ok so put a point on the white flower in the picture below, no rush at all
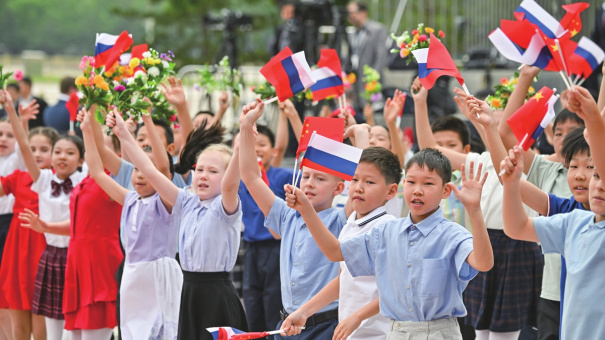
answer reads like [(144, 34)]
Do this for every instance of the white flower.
[(129, 81), (153, 71), (165, 64), (147, 54), (140, 74), (116, 83)]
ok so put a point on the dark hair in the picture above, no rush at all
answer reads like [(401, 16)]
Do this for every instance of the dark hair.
[(573, 144), (385, 161), (170, 163), (46, 131), (4, 119), (115, 143), (564, 116), (451, 123), (434, 160), (167, 130), (196, 142), (13, 85), (68, 83), (74, 139), (204, 112), (26, 80), (361, 6), (263, 130)]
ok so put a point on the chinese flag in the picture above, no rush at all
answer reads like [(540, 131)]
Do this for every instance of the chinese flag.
[(332, 128)]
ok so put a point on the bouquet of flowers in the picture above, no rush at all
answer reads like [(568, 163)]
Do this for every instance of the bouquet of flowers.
[(18, 75), (420, 38), (499, 99), (93, 86), (267, 91), (229, 79), (373, 87)]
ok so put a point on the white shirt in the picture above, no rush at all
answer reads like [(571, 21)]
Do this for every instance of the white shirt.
[(54, 209), (8, 165), (359, 291)]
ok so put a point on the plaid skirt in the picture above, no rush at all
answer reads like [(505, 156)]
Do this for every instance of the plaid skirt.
[(48, 290), (505, 299)]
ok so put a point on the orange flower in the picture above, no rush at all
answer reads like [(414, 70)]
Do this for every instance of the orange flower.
[(371, 86), (81, 81), (429, 30), (496, 102), (351, 78), (441, 34), (103, 86), (97, 80), (404, 53)]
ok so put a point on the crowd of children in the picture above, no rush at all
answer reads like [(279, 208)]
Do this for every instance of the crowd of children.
[(138, 226)]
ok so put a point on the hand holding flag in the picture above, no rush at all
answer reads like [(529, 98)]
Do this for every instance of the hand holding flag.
[(529, 121), (230, 333), (332, 157)]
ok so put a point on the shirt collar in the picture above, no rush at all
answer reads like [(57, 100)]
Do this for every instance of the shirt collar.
[(206, 203), (64, 97), (592, 224), (368, 218), (426, 225)]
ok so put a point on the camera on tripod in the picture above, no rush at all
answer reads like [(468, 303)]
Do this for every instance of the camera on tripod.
[(228, 21), (317, 11)]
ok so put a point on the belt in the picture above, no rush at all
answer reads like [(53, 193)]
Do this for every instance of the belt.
[(316, 318)]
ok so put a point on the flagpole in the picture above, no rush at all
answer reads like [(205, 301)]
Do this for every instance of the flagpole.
[(565, 80), (71, 126), (468, 94), (294, 173), (310, 140), (581, 82), (523, 140), (563, 60), (269, 101)]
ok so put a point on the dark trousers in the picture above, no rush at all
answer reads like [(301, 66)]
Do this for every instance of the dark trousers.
[(262, 290), (320, 331), (549, 315)]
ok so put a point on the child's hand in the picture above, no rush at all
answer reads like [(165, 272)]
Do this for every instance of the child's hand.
[(174, 93), (368, 113), (348, 117), (460, 99), (529, 71), (116, 123), (286, 107), (419, 93), (294, 323), (357, 131), (479, 111), (30, 220), (393, 107), (84, 119), (251, 112), (296, 198), (30, 111), (346, 327), (223, 101), (6, 99), (470, 194), (511, 167), (581, 103)]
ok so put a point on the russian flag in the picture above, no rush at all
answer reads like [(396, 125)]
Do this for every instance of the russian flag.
[(327, 155), (328, 76), (531, 119), (541, 18), (586, 57), (536, 52), (434, 62), (109, 48), (288, 73)]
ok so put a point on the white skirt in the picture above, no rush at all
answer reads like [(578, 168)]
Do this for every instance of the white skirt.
[(150, 296)]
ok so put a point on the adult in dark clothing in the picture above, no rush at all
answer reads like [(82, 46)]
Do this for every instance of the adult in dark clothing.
[(25, 90), (57, 116)]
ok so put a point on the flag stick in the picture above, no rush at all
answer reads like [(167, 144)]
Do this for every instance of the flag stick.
[(564, 63), (344, 99), (300, 172), (294, 173), (575, 80), (581, 82), (71, 126), (468, 94), (523, 140), (565, 80), (520, 67), (269, 101)]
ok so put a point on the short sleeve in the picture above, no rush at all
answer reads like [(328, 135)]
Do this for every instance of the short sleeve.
[(559, 205), (181, 202), (123, 177), (275, 218), (359, 252), (219, 210), (43, 182), (9, 183), (179, 180), (551, 232), (465, 271), (160, 208)]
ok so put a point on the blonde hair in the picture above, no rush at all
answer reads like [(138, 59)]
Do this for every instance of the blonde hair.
[(222, 148)]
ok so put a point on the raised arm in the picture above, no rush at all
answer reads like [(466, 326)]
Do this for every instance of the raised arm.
[(327, 243), (391, 110), (281, 136), (230, 183), (20, 136), (293, 118), (27, 113), (93, 160), (223, 101), (423, 127), (517, 224), (175, 95), (460, 99), (162, 184), (482, 255), (515, 101), (157, 147), (110, 160), (601, 103), (248, 165)]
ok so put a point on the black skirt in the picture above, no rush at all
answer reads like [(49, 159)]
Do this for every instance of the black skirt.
[(505, 299), (5, 222), (208, 300)]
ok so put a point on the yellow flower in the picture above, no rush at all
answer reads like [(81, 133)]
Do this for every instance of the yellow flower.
[(531, 89), (351, 78), (103, 86), (98, 80), (496, 102), (81, 81), (429, 30), (157, 61), (515, 81), (309, 95), (405, 52), (371, 86), (134, 62)]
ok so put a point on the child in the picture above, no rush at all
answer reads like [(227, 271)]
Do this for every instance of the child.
[(423, 301), (304, 271), (374, 183), (53, 194), (151, 283), (18, 272), (208, 251)]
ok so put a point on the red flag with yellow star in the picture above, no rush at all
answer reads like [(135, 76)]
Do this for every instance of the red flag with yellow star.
[(530, 120), (332, 128), (560, 53), (571, 20)]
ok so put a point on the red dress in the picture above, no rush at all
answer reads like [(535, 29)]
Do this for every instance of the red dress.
[(93, 257), (23, 246)]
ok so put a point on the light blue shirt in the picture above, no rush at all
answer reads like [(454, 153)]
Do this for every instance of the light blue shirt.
[(208, 237), (148, 231), (420, 269), (304, 269), (124, 175), (582, 242)]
